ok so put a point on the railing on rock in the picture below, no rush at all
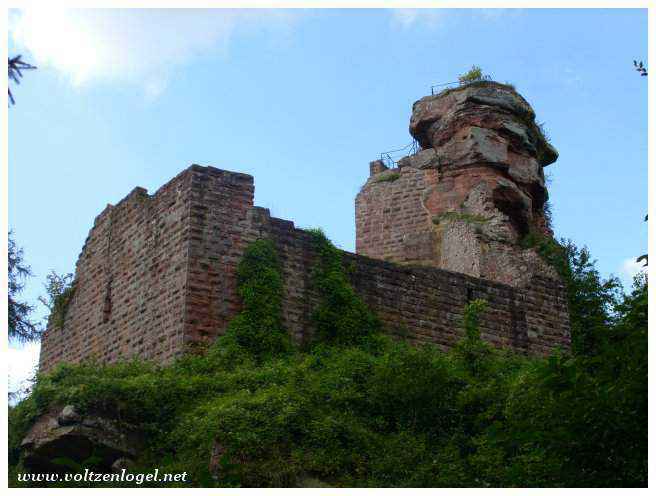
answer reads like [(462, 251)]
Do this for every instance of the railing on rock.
[(390, 158), (452, 84)]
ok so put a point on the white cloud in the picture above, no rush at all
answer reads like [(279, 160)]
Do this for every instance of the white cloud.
[(406, 18), (22, 361), (136, 46), (629, 269), (432, 18)]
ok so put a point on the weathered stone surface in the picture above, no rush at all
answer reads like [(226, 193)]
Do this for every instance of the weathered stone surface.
[(122, 464), (157, 273), (63, 433), (423, 159), (69, 416), (168, 264), (437, 119), (444, 107), (483, 192)]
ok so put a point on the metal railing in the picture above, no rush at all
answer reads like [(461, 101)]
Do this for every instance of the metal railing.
[(391, 157), (443, 86)]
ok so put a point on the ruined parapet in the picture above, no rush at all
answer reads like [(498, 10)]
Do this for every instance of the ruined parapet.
[(468, 197), (157, 275)]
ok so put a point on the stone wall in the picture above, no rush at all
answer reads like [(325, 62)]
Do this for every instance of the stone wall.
[(157, 274), (468, 197), (419, 303), (146, 282)]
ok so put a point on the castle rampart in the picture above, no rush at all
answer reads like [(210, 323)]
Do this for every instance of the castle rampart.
[(157, 274)]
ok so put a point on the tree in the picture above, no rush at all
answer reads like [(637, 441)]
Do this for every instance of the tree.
[(15, 65), (474, 74), (21, 327), (59, 289), (640, 67), (591, 298), (643, 72)]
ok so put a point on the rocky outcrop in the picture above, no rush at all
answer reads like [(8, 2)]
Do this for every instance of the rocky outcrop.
[(468, 197), (63, 437)]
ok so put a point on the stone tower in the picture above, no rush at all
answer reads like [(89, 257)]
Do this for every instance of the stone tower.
[(465, 201)]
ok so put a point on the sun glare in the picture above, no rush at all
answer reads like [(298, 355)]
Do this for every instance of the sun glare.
[(61, 39)]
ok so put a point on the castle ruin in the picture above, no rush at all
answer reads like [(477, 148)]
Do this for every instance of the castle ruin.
[(468, 197), (157, 273)]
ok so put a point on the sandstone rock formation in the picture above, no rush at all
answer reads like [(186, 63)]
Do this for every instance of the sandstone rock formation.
[(468, 197), (65, 435)]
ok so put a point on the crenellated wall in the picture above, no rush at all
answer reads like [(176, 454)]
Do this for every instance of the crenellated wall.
[(158, 274)]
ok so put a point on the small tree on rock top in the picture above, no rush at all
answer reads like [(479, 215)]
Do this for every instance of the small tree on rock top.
[(474, 74)]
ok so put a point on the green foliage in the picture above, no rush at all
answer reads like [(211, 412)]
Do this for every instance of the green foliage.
[(353, 412), (341, 316), (21, 327), (60, 290), (591, 298), (474, 74), (462, 216), (390, 177), (258, 328), (472, 349)]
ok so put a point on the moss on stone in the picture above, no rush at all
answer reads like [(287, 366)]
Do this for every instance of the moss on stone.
[(454, 216), (389, 177), (475, 84)]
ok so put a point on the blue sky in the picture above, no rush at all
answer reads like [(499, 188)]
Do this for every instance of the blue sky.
[(303, 100)]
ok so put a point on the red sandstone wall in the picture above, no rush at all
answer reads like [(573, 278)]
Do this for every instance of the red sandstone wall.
[(158, 273), (425, 304), (219, 204), (392, 221)]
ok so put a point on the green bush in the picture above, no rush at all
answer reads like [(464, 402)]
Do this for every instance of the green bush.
[(258, 327), (472, 75), (341, 316), (354, 412), (591, 298)]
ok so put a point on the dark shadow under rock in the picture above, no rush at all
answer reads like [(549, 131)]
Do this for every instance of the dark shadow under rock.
[(62, 439)]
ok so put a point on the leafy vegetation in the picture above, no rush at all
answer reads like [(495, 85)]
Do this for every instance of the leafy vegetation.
[(463, 216), (341, 316), (387, 178), (59, 290), (21, 326), (472, 75), (592, 300), (258, 327), (355, 408)]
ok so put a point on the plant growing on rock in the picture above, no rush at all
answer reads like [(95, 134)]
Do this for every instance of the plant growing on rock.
[(348, 414), (59, 292), (258, 327), (472, 75), (341, 316)]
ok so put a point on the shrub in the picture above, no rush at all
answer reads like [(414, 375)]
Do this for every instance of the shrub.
[(341, 316), (591, 298), (358, 412), (258, 327), (474, 74), (60, 290)]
